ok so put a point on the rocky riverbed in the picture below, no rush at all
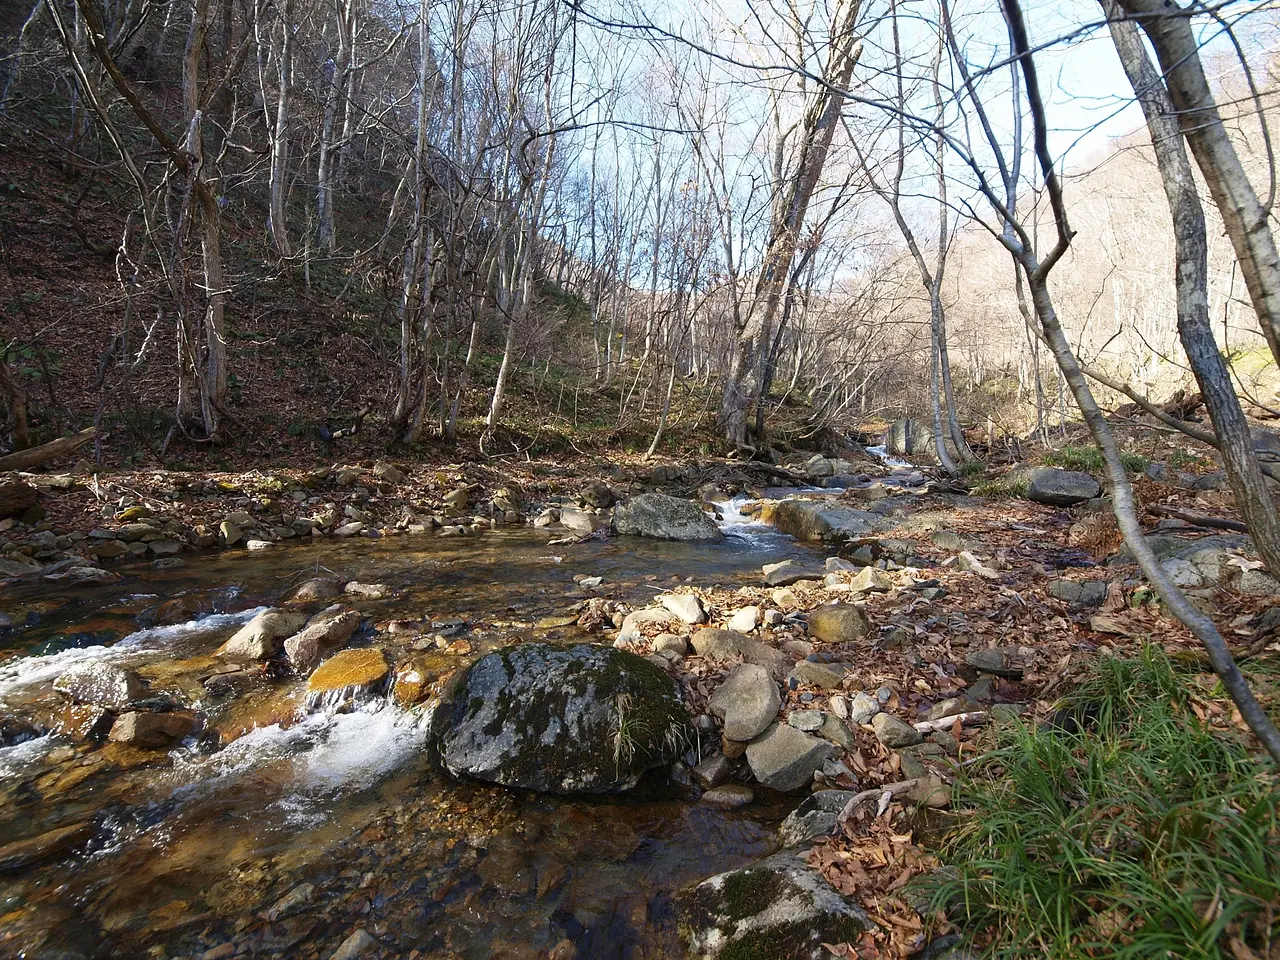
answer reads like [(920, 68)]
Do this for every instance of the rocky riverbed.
[(571, 728)]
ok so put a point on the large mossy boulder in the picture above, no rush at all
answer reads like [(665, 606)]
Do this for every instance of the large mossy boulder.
[(779, 908), (575, 719), (664, 518)]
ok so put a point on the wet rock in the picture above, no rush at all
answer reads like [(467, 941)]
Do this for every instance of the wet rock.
[(895, 733), (729, 796), (100, 684), (263, 636), (685, 606), (780, 903), (997, 661), (725, 644), (82, 722), (348, 675), (109, 549), (367, 591), (293, 901), (815, 817), (328, 629), (23, 854), (317, 588), (785, 759), (1089, 593), (1061, 488), (598, 494), (664, 518), (356, 945), (747, 701), (254, 544), (839, 623), (412, 682), (152, 730), (579, 719), (713, 771), (821, 521), (744, 620), (823, 675)]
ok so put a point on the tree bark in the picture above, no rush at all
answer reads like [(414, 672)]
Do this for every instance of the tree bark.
[(34, 456)]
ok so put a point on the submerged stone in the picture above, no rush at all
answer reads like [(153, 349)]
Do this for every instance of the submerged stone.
[(579, 719), (348, 673)]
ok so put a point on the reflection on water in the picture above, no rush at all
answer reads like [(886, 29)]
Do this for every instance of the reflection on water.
[(339, 814)]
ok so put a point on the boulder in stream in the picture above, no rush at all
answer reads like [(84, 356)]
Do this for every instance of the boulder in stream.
[(779, 908), (328, 629), (100, 684), (577, 719), (821, 520), (664, 518), (262, 637), (347, 675)]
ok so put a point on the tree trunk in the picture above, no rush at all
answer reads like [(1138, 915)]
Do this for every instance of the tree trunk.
[(34, 456), (1192, 276), (1169, 28)]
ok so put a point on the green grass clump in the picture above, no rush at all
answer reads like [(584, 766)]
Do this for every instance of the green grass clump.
[(1010, 485), (1089, 460), (1147, 835)]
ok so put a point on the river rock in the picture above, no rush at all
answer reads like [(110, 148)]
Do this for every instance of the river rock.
[(456, 499), (713, 771), (815, 817), (780, 904), (664, 518), (821, 521), (100, 684), (871, 580), (685, 606), (1088, 593), (367, 591), (1061, 488), (598, 494), (747, 701), (263, 636), (838, 623), (728, 796), (579, 719), (787, 572), (819, 466), (355, 946), (895, 733), (744, 620), (317, 588), (671, 644), (330, 628), (348, 675), (725, 644), (579, 521), (828, 676), (152, 730), (229, 533), (785, 759)]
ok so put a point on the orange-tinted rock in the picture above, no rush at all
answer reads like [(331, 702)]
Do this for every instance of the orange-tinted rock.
[(349, 670)]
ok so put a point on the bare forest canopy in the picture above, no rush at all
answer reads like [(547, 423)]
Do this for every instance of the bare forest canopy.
[(229, 221)]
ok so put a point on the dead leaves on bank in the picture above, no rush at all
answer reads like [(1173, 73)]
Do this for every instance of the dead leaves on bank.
[(874, 868)]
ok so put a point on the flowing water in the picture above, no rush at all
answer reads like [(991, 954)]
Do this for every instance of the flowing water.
[(340, 814)]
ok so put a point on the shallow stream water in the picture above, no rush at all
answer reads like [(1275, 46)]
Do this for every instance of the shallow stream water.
[(340, 815)]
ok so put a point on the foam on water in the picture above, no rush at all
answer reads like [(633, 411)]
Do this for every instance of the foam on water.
[(18, 758), (25, 672), (890, 461)]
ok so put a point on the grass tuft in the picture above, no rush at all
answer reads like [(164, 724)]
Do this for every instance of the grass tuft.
[(1146, 835), (1089, 460)]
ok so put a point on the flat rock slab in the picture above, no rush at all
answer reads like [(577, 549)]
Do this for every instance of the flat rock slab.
[(578, 719), (22, 854), (785, 759), (779, 904), (349, 673)]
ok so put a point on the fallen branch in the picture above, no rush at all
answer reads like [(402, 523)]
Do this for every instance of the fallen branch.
[(34, 456), (889, 790), (946, 723), (1198, 519)]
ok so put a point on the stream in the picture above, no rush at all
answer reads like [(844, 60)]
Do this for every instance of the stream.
[(282, 830)]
